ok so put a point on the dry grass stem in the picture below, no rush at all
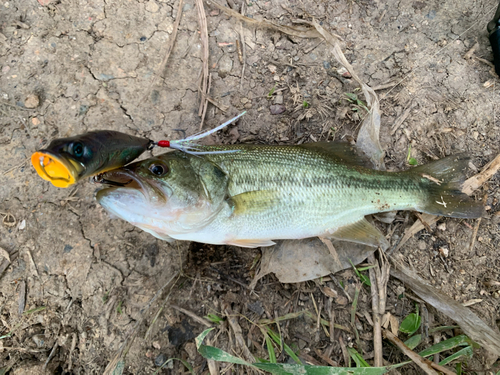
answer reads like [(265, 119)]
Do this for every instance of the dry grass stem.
[(202, 20), (475, 182), (21, 302), (424, 223), (192, 315), (476, 228), (205, 101), (427, 366), (238, 334), (295, 31), (399, 121), (379, 277), (332, 251)]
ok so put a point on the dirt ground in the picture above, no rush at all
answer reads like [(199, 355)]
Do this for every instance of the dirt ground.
[(74, 65)]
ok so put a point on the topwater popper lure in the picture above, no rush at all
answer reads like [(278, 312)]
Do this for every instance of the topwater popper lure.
[(68, 160)]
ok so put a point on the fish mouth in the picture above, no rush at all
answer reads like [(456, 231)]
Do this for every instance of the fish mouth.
[(126, 178), (61, 171)]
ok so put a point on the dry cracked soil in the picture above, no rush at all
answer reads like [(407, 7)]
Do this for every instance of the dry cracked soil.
[(69, 66)]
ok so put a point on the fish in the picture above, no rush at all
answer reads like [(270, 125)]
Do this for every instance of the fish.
[(263, 193), (68, 160)]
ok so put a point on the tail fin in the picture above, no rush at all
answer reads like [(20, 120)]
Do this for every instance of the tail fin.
[(443, 180)]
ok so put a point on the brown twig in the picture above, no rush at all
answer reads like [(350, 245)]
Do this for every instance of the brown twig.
[(427, 366), (295, 31), (379, 277), (424, 223), (202, 21), (21, 302), (488, 171), (399, 121), (333, 252), (243, 57), (205, 101), (476, 228), (192, 315), (238, 334)]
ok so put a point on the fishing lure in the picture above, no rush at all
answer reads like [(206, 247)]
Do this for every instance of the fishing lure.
[(68, 160)]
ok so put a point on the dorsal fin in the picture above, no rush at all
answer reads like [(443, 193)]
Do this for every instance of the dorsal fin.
[(343, 151)]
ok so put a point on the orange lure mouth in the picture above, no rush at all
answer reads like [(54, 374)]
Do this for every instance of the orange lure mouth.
[(61, 172)]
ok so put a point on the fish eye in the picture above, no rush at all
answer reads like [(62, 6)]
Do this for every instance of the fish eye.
[(158, 169), (78, 150)]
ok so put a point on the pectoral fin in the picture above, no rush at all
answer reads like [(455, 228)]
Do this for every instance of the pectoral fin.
[(252, 202), (361, 232), (251, 243)]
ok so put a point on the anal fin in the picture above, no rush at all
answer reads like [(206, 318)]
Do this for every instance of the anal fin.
[(250, 243), (361, 232)]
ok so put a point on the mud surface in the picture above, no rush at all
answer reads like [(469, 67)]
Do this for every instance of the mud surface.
[(72, 66)]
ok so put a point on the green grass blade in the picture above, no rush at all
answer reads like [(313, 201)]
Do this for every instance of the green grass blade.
[(443, 328), (270, 350), (465, 352), (413, 341), (185, 363), (288, 350), (358, 358), (288, 369), (447, 345), (216, 354), (120, 366)]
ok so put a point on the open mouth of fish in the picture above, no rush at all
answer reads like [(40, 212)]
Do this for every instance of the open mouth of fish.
[(125, 178)]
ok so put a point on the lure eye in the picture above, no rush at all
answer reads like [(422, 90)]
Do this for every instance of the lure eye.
[(78, 150), (158, 169)]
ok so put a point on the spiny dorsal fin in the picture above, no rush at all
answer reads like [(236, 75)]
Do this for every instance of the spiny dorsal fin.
[(344, 151), (361, 232)]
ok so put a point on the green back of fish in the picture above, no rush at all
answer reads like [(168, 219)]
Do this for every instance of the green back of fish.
[(326, 178)]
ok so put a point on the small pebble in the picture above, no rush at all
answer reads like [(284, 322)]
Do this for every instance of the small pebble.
[(35, 121), (39, 340), (152, 7), (272, 69), (160, 359), (277, 109), (31, 101)]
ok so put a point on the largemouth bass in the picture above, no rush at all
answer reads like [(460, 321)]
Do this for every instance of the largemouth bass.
[(67, 160), (264, 193)]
